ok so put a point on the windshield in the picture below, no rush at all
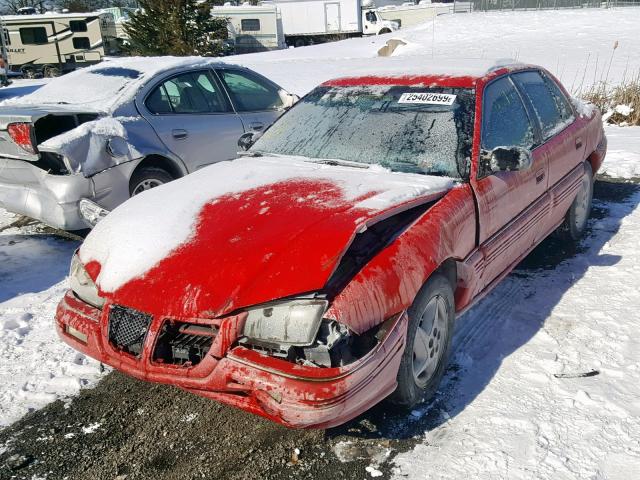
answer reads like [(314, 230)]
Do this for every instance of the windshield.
[(406, 129)]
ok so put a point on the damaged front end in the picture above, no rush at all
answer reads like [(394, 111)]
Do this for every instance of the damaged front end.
[(297, 332), (296, 359)]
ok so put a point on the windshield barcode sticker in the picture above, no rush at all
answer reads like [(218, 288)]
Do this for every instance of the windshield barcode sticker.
[(428, 98)]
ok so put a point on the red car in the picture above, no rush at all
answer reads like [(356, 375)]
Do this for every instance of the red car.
[(322, 271)]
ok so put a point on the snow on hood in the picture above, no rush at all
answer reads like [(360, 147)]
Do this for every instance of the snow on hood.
[(104, 86), (156, 224)]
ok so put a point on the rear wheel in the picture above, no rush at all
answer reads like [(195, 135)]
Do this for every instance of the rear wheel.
[(51, 71), (28, 72), (575, 221), (429, 333), (147, 178)]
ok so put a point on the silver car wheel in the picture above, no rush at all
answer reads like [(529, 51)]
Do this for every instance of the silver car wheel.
[(429, 340), (146, 184)]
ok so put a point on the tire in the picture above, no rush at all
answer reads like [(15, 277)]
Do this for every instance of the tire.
[(575, 220), (50, 71), (147, 178), (28, 73), (418, 382)]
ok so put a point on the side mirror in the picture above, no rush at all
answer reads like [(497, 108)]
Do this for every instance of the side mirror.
[(246, 140), (508, 159), (288, 99)]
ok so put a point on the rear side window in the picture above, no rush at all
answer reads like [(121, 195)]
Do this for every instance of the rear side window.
[(551, 106), (505, 122), (78, 26), (250, 24), (81, 43), (33, 36), (249, 92), (187, 93)]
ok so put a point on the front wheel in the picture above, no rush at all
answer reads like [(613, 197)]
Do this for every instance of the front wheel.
[(429, 333), (575, 221)]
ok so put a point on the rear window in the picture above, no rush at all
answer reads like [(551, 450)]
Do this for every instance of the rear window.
[(78, 26), (81, 43), (250, 24), (33, 36)]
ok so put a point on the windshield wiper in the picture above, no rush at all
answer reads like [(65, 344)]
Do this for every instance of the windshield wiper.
[(336, 163)]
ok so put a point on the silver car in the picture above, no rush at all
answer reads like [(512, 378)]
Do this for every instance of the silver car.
[(84, 143)]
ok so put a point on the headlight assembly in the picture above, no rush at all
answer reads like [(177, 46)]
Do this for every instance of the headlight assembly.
[(82, 285), (290, 323)]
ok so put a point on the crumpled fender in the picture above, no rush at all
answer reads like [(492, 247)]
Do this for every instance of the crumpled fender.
[(390, 281), (104, 143)]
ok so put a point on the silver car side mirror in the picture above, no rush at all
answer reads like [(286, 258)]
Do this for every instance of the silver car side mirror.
[(508, 159), (246, 140)]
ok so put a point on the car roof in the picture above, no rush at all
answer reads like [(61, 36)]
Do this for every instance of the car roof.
[(111, 83), (426, 71)]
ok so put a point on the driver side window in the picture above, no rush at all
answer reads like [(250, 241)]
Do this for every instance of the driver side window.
[(505, 122)]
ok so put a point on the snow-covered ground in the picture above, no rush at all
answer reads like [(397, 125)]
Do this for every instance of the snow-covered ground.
[(576, 45), (35, 367), (507, 416)]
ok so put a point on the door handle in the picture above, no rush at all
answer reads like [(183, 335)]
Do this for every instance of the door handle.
[(256, 126), (578, 143), (539, 176), (179, 134)]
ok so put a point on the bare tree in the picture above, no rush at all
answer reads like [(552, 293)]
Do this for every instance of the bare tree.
[(11, 7)]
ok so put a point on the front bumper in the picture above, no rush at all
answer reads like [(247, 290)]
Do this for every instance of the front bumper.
[(294, 395)]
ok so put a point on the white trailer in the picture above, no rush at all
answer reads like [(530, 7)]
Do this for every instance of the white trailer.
[(410, 14), (253, 28), (51, 44)]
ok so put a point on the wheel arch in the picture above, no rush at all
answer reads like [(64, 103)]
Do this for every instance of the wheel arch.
[(159, 161)]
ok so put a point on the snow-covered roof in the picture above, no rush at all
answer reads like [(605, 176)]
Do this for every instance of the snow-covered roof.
[(49, 16), (105, 86), (425, 66)]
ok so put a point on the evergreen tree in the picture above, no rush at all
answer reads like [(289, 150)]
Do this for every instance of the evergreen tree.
[(175, 27)]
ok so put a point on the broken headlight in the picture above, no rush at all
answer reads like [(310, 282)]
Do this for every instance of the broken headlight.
[(91, 211), (286, 324), (82, 285)]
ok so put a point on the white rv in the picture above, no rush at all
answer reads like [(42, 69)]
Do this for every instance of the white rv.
[(409, 14), (52, 44), (253, 28)]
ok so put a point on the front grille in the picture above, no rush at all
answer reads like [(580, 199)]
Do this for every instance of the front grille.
[(185, 344), (128, 329)]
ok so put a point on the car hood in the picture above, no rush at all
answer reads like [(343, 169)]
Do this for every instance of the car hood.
[(241, 233)]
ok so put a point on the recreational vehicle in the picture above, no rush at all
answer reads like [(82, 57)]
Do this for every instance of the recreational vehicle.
[(52, 44), (253, 28)]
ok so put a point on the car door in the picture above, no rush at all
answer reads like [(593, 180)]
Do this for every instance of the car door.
[(256, 100), (510, 203), (563, 137), (192, 116), (557, 122)]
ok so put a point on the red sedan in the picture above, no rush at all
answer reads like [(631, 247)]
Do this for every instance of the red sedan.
[(322, 271)]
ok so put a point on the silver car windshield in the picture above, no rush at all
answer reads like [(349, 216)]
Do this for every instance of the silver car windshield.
[(406, 129)]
